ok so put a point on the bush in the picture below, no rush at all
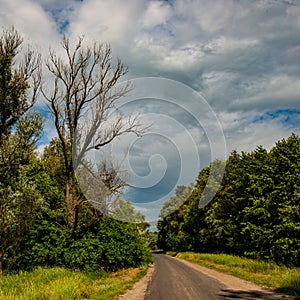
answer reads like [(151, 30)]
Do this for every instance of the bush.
[(43, 246), (110, 245)]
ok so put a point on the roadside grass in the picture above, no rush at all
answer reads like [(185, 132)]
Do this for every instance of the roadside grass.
[(59, 284), (280, 278)]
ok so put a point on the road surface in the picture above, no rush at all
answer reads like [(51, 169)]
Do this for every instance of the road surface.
[(173, 279)]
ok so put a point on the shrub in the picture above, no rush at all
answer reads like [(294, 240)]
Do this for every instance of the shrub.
[(110, 245)]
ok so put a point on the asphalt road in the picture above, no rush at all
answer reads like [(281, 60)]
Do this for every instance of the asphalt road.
[(175, 280)]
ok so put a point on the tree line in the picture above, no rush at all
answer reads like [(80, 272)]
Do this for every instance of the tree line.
[(45, 217), (255, 212)]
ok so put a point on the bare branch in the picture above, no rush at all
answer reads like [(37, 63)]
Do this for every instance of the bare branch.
[(83, 104)]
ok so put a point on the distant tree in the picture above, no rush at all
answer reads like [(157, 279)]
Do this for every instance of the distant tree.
[(123, 210), (173, 214), (181, 195), (151, 238), (83, 99)]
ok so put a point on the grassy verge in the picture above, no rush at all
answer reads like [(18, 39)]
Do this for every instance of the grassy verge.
[(281, 279), (59, 283)]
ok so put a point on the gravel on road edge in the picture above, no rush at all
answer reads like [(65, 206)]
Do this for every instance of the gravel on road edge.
[(139, 289)]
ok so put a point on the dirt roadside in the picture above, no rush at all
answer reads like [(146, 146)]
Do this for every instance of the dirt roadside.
[(234, 283), (139, 289)]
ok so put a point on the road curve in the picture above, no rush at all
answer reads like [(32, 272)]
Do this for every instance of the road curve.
[(173, 279)]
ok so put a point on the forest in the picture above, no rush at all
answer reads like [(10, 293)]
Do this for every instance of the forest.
[(255, 212)]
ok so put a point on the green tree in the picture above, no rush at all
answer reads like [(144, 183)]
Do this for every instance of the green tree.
[(181, 195), (173, 214), (284, 204), (97, 243), (255, 212), (16, 80), (19, 198), (19, 130)]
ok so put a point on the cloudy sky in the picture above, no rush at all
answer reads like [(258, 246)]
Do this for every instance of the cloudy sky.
[(242, 57)]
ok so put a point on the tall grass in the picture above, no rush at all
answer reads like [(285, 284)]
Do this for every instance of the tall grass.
[(59, 283), (280, 278)]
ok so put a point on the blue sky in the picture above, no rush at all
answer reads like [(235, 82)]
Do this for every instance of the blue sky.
[(242, 56)]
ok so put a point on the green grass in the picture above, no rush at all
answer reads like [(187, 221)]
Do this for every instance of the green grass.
[(281, 279), (59, 283)]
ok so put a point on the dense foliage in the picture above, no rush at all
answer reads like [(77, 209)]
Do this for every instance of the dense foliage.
[(19, 131), (110, 245), (34, 223), (255, 213), (44, 238)]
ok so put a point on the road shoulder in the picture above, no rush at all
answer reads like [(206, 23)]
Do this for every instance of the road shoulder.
[(139, 289), (233, 283)]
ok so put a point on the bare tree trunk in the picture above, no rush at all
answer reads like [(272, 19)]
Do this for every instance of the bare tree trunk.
[(70, 201)]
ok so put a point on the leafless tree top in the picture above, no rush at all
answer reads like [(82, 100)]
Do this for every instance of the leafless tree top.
[(84, 96)]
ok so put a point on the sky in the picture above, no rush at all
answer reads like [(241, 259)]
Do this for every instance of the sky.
[(210, 76)]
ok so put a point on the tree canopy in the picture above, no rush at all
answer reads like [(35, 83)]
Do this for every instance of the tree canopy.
[(255, 213)]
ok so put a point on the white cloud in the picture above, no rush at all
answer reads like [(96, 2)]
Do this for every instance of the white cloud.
[(157, 13), (243, 56), (253, 135), (281, 91), (245, 131), (107, 21), (33, 23)]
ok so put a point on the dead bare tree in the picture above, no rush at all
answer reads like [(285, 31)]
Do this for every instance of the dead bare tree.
[(82, 102)]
